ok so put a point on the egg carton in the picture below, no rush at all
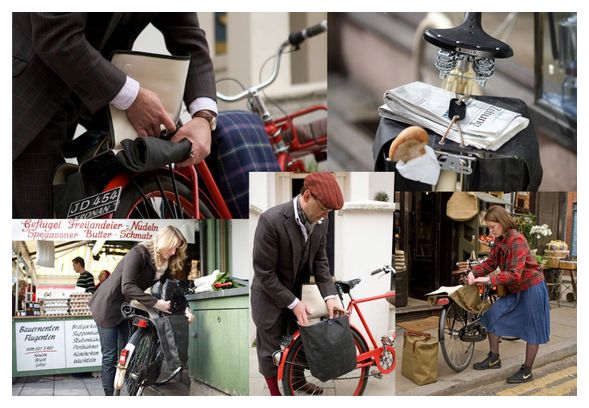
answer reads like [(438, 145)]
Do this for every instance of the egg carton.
[(46, 305), (81, 296), (79, 303), (56, 312), (80, 313)]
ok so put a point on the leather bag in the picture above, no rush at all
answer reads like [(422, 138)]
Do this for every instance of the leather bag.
[(311, 296), (420, 357), (163, 74)]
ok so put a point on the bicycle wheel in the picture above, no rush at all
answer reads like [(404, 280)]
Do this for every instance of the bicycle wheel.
[(145, 364), (142, 198), (298, 379), (456, 352)]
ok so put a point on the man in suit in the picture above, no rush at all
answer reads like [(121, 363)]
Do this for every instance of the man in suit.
[(289, 247), (61, 75)]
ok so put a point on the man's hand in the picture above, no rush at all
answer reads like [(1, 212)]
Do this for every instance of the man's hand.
[(147, 114), (198, 132), (333, 308), (301, 311)]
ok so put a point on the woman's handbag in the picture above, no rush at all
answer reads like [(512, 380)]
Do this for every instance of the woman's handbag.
[(420, 357), (329, 348)]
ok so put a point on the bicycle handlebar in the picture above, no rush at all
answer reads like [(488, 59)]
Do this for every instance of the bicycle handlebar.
[(386, 269), (294, 39)]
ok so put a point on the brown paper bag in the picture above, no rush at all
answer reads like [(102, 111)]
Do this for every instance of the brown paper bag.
[(420, 357)]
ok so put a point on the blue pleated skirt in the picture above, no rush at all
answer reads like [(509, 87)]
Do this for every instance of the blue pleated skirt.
[(525, 315)]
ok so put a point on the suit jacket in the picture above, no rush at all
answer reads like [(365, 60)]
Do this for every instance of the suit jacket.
[(57, 54), (132, 276), (278, 248)]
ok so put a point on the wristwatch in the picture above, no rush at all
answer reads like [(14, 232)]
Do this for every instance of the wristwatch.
[(209, 116)]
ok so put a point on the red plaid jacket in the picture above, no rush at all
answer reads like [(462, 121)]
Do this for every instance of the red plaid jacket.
[(518, 269)]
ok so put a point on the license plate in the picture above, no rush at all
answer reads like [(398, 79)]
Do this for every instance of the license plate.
[(95, 206)]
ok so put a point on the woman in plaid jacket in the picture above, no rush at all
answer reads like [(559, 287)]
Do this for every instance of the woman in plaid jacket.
[(524, 312)]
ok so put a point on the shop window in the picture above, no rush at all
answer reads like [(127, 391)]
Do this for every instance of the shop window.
[(556, 76)]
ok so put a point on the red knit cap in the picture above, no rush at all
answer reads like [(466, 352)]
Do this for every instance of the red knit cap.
[(325, 188)]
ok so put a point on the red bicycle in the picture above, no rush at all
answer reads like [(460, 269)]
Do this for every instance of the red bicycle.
[(295, 135), (293, 366)]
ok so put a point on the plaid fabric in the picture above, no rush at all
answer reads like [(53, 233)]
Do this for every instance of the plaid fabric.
[(518, 269), (240, 145)]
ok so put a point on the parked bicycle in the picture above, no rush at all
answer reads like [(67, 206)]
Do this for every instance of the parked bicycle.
[(291, 142), (140, 362), (459, 329), (293, 366)]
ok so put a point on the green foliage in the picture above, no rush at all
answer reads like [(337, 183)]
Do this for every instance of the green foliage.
[(225, 277), (524, 224), (381, 196)]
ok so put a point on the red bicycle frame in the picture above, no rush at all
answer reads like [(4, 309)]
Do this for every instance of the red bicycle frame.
[(190, 177), (296, 148), (365, 359)]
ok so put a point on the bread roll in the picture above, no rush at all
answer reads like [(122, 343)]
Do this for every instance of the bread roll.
[(409, 144)]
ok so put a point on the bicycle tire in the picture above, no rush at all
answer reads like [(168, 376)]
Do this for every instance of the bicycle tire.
[(457, 353), (142, 199), (355, 381), (145, 363)]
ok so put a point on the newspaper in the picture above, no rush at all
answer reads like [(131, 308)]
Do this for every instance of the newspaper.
[(485, 126)]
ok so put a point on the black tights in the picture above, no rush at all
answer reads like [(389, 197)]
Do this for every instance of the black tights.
[(531, 349)]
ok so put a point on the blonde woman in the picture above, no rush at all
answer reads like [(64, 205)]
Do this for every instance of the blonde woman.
[(140, 268)]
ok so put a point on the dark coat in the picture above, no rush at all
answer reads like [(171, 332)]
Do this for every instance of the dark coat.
[(132, 276), (278, 247), (57, 54)]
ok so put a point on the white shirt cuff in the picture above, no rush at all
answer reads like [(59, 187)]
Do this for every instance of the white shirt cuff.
[(202, 103), (326, 298), (293, 304), (126, 95)]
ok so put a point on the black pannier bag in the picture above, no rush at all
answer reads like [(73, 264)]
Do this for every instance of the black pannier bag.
[(172, 329), (329, 348)]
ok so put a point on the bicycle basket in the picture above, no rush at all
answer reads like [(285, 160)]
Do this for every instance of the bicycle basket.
[(329, 348)]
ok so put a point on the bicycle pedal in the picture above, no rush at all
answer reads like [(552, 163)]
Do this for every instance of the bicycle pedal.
[(388, 340), (376, 374)]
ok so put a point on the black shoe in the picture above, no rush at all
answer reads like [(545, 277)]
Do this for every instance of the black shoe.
[(492, 361), (523, 375)]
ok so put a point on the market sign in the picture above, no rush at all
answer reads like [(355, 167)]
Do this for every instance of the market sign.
[(85, 230), (51, 345)]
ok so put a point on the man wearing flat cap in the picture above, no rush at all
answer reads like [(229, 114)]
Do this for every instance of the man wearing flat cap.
[(289, 247)]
